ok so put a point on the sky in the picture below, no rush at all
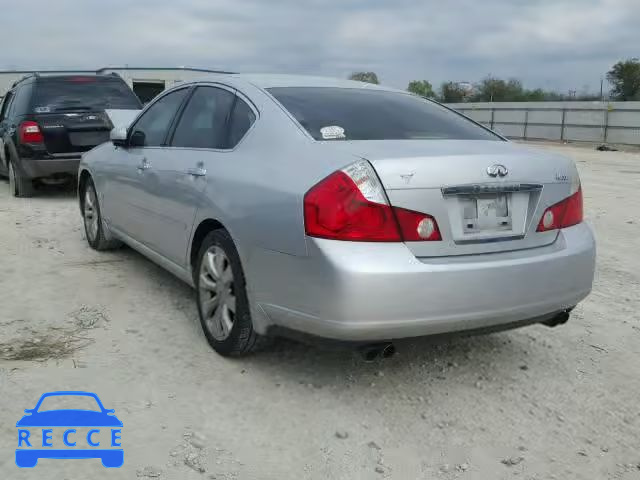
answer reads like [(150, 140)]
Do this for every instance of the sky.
[(553, 44)]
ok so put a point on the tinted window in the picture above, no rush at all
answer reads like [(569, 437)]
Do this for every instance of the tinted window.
[(155, 122), (205, 119), (69, 93), (364, 114), (21, 101), (241, 120), (6, 103)]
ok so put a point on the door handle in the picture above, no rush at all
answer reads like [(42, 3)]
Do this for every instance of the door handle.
[(144, 165), (199, 171)]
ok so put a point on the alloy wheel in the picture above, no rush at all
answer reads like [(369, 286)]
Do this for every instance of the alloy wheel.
[(12, 179), (217, 293), (91, 217)]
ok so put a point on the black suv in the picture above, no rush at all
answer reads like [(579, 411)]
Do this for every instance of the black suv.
[(47, 121)]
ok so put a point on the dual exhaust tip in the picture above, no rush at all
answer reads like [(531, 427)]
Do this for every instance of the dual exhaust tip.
[(370, 353)]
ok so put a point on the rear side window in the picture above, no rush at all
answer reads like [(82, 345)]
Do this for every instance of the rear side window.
[(21, 101), (204, 121), (155, 121), (6, 104), (241, 120), (330, 113), (57, 94)]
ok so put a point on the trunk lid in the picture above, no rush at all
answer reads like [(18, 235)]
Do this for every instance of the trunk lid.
[(70, 109), (73, 131), (487, 196)]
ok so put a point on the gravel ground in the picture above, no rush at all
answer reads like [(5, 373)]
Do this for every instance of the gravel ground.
[(535, 403)]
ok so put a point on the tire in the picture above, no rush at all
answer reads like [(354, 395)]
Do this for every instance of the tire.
[(222, 300), (19, 186), (92, 219)]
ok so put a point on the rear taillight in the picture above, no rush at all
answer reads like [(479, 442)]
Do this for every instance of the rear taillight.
[(563, 214), (350, 204), (29, 132), (416, 226)]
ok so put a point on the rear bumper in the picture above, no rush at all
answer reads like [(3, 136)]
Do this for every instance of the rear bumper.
[(49, 167), (369, 292)]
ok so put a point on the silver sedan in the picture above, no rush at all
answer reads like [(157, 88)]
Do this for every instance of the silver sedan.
[(341, 210)]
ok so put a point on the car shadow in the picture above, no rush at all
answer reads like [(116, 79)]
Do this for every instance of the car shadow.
[(434, 357), (62, 190), (320, 364)]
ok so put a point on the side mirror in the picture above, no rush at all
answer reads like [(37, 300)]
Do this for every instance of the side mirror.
[(118, 137), (137, 139), (28, 410)]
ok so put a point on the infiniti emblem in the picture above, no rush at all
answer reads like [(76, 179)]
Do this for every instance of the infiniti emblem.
[(497, 170)]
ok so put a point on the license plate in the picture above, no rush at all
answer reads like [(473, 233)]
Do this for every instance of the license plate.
[(88, 139), (486, 213)]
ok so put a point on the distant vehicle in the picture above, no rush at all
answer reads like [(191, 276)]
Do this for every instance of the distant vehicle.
[(339, 209), (48, 121)]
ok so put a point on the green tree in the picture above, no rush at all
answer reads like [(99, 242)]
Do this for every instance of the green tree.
[(493, 89), (624, 76), (368, 77), (451, 92), (422, 88)]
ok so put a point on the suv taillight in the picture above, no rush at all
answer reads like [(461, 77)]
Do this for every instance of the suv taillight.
[(350, 204), (29, 132), (563, 214)]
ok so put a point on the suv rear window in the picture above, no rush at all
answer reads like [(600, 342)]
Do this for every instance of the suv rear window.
[(82, 93), (330, 113)]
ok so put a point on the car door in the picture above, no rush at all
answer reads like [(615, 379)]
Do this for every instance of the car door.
[(130, 169), (177, 179)]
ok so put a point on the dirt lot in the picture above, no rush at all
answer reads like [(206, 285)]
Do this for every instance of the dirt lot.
[(536, 403)]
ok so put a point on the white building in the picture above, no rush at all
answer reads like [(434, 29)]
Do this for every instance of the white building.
[(146, 82)]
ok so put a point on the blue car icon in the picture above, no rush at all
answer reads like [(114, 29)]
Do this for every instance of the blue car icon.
[(32, 447)]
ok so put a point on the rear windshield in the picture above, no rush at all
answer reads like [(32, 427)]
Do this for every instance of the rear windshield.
[(330, 113), (82, 93)]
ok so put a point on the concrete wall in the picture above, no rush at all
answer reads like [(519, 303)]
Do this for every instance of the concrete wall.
[(611, 122)]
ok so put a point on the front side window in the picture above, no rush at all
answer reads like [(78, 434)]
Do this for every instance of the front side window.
[(331, 113), (152, 127), (204, 122)]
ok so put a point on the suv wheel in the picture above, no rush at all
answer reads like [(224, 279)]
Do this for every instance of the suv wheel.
[(223, 305), (93, 227), (18, 185)]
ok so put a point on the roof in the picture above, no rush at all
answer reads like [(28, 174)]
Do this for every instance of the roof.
[(276, 80), (58, 75), (107, 69), (189, 69)]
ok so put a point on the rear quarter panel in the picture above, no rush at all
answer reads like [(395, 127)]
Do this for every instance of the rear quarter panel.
[(257, 194)]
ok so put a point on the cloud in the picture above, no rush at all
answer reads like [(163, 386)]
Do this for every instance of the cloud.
[(558, 44)]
